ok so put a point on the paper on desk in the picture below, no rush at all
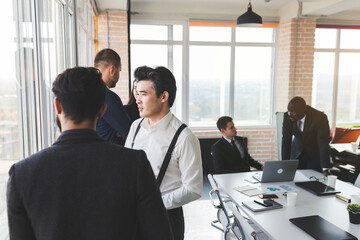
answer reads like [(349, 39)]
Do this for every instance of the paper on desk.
[(249, 190), (279, 188)]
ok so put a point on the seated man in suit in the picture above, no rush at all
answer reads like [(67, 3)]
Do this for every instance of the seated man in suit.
[(83, 187), (306, 136), (230, 153)]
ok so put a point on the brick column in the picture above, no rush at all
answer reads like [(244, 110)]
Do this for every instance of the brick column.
[(113, 33), (295, 63)]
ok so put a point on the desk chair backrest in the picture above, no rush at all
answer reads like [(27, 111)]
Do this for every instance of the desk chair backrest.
[(241, 228), (357, 181), (222, 214)]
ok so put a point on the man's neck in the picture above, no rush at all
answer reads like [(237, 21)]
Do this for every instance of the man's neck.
[(70, 125), (158, 117), (228, 138)]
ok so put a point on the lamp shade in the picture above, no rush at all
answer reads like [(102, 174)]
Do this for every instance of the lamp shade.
[(249, 19)]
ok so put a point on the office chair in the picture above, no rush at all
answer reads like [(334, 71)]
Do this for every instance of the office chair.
[(242, 229), (357, 181), (223, 216)]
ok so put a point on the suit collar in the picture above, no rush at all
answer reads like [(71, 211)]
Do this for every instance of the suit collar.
[(78, 135)]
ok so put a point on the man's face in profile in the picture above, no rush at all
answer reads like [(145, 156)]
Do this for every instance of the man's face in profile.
[(294, 113)]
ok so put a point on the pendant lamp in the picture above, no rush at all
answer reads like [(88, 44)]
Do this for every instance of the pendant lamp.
[(249, 19)]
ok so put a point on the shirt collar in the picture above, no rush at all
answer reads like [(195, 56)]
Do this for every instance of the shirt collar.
[(302, 120), (228, 139), (162, 124)]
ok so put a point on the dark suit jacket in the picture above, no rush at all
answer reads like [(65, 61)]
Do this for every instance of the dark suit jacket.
[(226, 159), (311, 146), (83, 187), (114, 121)]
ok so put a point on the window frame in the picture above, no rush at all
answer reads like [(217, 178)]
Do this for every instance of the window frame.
[(183, 90)]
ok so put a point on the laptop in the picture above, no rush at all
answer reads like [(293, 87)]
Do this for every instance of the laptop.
[(277, 171), (321, 229), (317, 188)]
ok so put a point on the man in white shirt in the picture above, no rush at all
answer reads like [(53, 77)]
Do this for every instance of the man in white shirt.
[(182, 182)]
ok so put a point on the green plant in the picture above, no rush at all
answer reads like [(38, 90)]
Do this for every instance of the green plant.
[(354, 208)]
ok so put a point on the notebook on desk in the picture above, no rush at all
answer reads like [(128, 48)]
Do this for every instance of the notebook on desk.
[(321, 229), (277, 171), (317, 188)]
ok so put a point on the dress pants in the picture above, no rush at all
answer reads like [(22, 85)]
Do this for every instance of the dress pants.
[(176, 217)]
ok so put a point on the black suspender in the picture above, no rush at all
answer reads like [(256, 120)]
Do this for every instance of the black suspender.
[(166, 161), (136, 132)]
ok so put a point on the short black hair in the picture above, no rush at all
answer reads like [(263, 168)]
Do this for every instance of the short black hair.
[(297, 104), (107, 57), (222, 122), (162, 79), (81, 93)]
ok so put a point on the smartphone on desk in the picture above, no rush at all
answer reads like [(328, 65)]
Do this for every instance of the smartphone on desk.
[(264, 203), (268, 196)]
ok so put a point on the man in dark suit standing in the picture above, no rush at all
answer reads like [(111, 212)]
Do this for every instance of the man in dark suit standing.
[(83, 187), (306, 136), (230, 153)]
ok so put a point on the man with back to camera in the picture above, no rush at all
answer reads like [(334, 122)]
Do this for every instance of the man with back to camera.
[(83, 187), (115, 124), (153, 133), (306, 136), (230, 153)]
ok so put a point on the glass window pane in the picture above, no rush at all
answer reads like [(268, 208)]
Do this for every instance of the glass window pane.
[(253, 74), (254, 34), (208, 84), (210, 34), (148, 32), (323, 81), (9, 91), (156, 55), (350, 38), (348, 103), (325, 38), (178, 32)]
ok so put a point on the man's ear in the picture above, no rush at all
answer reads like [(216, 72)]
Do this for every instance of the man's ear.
[(102, 110), (111, 70), (58, 106), (164, 96), (222, 130)]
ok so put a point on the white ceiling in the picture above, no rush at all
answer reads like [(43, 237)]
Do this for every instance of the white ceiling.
[(228, 9)]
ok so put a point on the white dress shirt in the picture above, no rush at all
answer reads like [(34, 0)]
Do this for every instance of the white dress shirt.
[(183, 179)]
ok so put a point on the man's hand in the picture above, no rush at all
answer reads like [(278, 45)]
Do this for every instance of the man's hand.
[(326, 173), (118, 135)]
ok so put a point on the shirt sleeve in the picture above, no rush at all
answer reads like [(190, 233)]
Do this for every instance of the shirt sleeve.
[(190, 166), (19, 223), (116, 116)]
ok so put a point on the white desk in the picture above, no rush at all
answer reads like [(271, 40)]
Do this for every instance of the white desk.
[(275, 223)]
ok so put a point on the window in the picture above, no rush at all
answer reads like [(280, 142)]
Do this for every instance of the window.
[(226, 70), (36, 52), (158, 45), (336, 71)]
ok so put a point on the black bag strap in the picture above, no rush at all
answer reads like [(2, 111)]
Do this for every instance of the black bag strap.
[(136, 132), (166, 161)]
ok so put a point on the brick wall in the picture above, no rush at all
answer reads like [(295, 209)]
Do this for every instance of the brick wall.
[(294, 78), (261, 142), (116, 38)]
